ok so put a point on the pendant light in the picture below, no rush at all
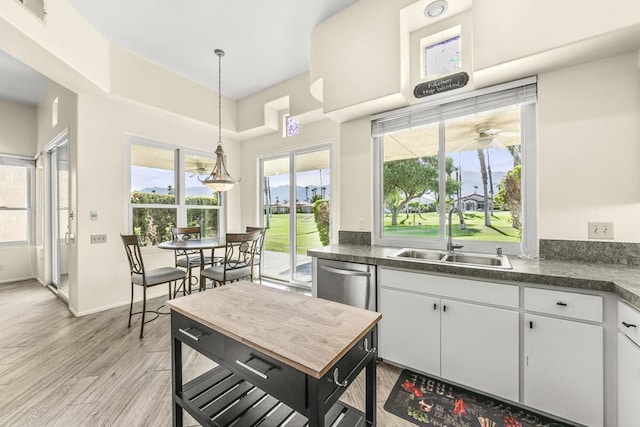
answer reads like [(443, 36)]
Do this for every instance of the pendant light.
[(219, 179)]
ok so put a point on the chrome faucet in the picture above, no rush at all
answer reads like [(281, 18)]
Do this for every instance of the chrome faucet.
[(463, 226)]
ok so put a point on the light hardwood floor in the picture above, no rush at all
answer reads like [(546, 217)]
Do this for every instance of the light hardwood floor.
[(57, 370)]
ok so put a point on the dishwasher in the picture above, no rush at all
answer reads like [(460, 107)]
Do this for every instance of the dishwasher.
[(346, 282)]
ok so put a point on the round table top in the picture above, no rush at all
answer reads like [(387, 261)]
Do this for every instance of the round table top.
[(204, 243)]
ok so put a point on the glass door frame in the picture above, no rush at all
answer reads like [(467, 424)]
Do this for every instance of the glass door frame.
[(52, 225), (291, 154)]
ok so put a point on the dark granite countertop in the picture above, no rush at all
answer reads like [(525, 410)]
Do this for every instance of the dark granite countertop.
[(622, 280)]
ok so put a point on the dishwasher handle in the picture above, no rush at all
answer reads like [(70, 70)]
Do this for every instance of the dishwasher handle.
[(345, 272)]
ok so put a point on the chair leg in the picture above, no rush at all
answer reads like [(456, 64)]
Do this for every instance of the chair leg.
[(130, 307), (144, 309)]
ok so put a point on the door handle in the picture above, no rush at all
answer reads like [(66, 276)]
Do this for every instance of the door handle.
[(345, 272)]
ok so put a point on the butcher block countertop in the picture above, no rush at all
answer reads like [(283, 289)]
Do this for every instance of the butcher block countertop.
[(308, 334)]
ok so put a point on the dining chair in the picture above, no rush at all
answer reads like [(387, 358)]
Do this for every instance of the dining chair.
[(146, 279), (190, 258), (257, 256), (238, 260)]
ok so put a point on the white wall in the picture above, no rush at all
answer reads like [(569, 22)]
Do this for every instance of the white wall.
[(589, 148), (506, 31), (103, 126), (17, 129)]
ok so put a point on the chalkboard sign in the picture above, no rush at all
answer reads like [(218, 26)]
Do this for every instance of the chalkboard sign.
[(444, 84)]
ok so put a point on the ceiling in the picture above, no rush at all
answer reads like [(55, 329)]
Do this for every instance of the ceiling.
[(19, 83), (266, 41)]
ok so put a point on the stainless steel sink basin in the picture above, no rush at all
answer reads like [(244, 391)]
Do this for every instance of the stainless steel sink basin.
[(483, 260), (458, 258), (420, 254)]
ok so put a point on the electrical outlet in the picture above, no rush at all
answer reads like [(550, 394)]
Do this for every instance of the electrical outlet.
[(600, 230), (98, 238)]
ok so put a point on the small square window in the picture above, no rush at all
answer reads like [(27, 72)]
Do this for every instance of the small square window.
[(443, 57)]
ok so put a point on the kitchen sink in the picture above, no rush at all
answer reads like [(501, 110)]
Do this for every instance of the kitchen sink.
[(483, 260), (457, 258), (420, 254)]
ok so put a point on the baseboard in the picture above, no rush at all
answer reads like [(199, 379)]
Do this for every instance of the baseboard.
[(99, 309), (19, 279)]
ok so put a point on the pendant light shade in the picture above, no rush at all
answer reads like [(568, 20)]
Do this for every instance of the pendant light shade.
[(219, 179)]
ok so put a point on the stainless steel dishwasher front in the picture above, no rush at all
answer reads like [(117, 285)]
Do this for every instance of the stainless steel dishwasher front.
[(346, 282)]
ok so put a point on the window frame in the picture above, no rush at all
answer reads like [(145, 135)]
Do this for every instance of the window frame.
[(529, 243), (29, 165), (179, 184)]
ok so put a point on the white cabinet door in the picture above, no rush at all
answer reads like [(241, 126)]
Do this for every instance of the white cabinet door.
[(628, 382), (410, 330), (563, 368), (480, 347)]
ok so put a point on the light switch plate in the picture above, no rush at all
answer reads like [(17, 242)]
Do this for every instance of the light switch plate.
[(98, 238), (600, 230)]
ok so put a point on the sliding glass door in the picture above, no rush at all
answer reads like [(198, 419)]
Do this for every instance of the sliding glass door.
[(296, 192), (60, 216)]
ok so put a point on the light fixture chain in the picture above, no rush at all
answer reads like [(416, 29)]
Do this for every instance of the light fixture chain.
[(219, 99)]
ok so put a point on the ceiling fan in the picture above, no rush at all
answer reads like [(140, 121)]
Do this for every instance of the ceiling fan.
[(198, 169), (488, 137)]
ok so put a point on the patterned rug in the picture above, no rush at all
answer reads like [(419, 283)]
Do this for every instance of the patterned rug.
[(428, 402)]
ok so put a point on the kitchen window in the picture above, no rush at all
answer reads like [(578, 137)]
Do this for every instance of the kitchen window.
[(476, 153), (165, 192), (15, 199)]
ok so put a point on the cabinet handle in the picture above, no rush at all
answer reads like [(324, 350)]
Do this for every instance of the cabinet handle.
[(190, 335), (335, 379), (628, 325), (530, 324), (444, 307), (253, 370), (368, 349), (562, 304), (435, 306)]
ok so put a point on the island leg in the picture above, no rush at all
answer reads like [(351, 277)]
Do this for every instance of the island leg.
[(316, 405), (176, 379)]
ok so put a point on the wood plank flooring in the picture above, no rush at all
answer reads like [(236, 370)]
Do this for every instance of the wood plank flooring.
[(58, 370)]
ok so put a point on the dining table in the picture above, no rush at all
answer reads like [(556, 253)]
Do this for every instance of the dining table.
[(200, 245)]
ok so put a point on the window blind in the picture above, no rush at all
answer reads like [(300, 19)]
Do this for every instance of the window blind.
[(512, 93), (9, 160)]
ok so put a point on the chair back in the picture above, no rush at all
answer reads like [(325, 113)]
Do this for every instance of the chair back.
[(258, 249), (134, 255), (240, 249), (186, 233)]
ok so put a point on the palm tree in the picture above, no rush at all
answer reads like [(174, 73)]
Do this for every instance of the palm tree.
[(483, 170)]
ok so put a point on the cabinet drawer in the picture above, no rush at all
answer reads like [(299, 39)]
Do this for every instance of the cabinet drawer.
[(451, 287), (196, 335), (267, 374), (566, 304), (345, 367), (629, 322)]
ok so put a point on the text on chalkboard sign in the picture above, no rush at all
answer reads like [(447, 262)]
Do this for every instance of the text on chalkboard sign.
[(444, 84)]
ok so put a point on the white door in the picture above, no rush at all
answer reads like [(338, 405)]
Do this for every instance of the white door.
[(480, 347), (628, 382), (563, 368), (410, 330)]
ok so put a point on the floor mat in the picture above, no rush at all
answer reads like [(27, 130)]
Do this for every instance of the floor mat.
[(428, 402)]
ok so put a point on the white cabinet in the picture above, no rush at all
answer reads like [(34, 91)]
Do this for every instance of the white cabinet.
[(628, 366), (563, 368), (471, 344), (479, 347), (410, 334)]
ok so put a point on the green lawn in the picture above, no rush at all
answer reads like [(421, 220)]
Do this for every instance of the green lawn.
[(277, 236), (426, 225), (423, 225)]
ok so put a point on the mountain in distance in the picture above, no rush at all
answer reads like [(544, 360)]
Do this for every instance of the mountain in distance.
[(200, 191)]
